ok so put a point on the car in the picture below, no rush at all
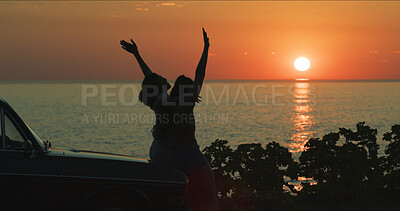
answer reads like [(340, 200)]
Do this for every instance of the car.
[(35, 175)]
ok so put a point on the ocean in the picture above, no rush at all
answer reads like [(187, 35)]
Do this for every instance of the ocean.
[(106, 115)]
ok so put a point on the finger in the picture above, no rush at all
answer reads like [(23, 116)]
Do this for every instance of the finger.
[(126, 44), (132, 41)]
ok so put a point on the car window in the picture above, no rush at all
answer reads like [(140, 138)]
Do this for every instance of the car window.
[(14, 139)]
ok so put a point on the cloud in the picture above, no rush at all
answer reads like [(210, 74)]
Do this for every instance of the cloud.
[(171, 4), (142, 9), (168, 4), (396, 52), (374, 51), (245, 53), (382, 61)]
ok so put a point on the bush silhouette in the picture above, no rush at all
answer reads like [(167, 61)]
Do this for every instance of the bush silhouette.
[(251, 174), (392, 162), (219, 154), (345, 165)]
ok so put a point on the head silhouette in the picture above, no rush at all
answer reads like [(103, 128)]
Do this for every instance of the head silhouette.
[(183, 87), (152, 86)]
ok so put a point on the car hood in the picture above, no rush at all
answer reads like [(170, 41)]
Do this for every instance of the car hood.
[(89, 164), (71, 152)]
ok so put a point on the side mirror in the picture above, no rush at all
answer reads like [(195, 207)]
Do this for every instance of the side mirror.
[(29, 150)]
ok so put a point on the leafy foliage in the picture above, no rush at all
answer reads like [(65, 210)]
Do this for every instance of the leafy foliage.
[(392, 164), (219, 154), (345, 165), (250, 172)]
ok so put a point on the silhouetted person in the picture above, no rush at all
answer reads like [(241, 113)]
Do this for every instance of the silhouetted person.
[(154, 90), (174, 131), (184, 151)]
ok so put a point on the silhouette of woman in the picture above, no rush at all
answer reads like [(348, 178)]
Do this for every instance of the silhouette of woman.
[(153, 93), (184, 152), (174, 131)]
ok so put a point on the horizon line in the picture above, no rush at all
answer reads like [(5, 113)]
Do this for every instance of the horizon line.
[(207, 80)]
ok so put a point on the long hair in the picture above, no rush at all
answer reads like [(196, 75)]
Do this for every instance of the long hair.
[(182, 85), (152, 86)]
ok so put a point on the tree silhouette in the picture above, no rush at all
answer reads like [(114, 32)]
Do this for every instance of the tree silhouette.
[(392, 164), (345, 165), (346, 169), (251, 173)]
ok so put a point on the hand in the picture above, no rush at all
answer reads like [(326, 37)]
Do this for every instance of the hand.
[(131, 48), (206, 39)]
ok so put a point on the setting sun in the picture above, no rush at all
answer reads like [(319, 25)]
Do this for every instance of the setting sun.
[(302, 64)]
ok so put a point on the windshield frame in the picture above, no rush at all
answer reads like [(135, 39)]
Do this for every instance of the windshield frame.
[(38, 140)]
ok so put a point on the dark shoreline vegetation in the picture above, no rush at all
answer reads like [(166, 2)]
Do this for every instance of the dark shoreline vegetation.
[(345, 166)]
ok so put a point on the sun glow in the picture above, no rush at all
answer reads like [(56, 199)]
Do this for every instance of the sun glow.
[(302, 64)]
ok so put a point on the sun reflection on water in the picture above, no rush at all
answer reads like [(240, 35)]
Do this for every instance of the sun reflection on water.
[(302, 118)]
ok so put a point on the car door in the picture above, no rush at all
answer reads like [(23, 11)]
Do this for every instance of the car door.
[(27, 177)]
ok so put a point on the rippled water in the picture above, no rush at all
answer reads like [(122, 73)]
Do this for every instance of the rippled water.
[(239, 111)]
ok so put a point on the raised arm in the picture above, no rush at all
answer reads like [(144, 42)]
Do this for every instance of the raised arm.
[(201, 68), (132, 48)]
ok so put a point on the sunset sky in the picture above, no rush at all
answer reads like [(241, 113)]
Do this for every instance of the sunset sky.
[(249, 40)]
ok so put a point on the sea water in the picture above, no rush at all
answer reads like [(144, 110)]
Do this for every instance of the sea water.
[(106, 115)]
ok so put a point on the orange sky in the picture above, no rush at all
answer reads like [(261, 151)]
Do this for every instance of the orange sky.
[(249, 40)]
